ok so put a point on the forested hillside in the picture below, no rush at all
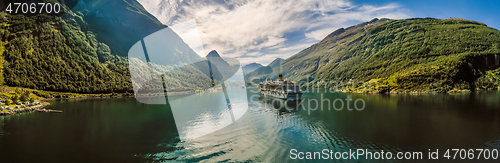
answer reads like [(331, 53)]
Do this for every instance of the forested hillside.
[(82, 51), (55, 53), (404, 55)]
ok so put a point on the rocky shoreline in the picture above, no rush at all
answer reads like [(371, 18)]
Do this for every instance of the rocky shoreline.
[(23, 110), (44, 102)]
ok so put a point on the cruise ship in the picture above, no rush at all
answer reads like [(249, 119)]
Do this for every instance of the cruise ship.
[(283, 89)]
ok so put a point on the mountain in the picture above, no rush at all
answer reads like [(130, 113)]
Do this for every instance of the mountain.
[(409, 55), (276, 62), (86, 49), (258, 75), (198, 75), (216, 59), (118, 23), (261, 73), (227, 67), (213, 53), (250, 67)]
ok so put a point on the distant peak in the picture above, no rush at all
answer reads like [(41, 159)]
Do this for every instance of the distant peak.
[(276, 62), (336, 32), (373, 20), (213, 53), (254, 63)]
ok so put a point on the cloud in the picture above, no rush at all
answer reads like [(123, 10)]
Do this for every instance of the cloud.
[(256, 30)]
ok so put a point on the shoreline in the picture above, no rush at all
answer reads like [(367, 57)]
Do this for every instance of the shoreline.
[(453, 91), (24, 110), (83, 97), (45, 101)]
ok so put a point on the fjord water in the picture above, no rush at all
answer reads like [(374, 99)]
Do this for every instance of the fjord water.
[(124, 130)]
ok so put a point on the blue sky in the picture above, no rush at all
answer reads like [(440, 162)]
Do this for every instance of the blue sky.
[(262, 30), (483, 11)]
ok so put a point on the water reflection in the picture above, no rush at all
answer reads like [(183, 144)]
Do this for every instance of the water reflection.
[(432, 120), (389, 122), (124, 130), (282, 106)]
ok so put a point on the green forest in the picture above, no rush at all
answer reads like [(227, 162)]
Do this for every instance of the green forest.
[(84, 50), (409, 55), (58, 54)]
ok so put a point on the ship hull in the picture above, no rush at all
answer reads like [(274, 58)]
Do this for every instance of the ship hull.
[(284, 96)]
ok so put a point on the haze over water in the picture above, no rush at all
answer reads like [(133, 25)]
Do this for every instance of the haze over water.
[(122, 129)]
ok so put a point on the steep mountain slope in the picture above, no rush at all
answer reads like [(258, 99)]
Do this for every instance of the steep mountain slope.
[(258, 75), (276, 62), (250, 67), (261, 73), (404, 55), (227, 67), (83, 51), (216, 58), (118, 23), (148, 77)]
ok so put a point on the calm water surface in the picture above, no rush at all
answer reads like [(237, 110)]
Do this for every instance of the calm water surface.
[(124, 130)]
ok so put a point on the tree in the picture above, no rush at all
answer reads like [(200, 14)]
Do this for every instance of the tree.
[(32, 100), (7, 102), (24, 96), (15, 98)]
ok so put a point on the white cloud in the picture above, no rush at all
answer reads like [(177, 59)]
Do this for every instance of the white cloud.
[(257, 30), (254, 54)]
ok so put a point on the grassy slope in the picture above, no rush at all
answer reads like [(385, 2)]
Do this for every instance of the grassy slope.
[(403, 55)]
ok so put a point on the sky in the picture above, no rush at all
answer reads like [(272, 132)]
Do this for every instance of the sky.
[(263, 30)]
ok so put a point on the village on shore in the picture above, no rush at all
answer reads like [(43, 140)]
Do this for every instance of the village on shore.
[(7, 107), (18, 102)]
